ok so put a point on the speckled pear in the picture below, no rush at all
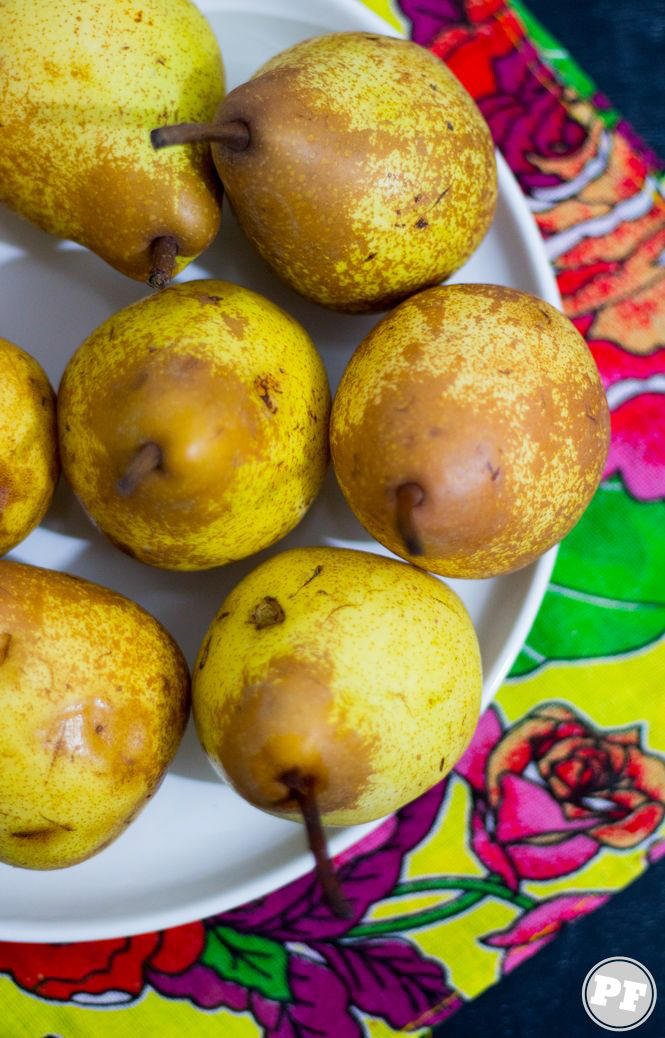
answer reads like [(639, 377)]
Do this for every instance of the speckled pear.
[(358, 165), (194, 425), (337, 684), (28, 445), (470, 429), (82, 83), (94, 697)]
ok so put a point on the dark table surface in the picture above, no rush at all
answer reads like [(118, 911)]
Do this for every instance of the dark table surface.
[(621, 45)]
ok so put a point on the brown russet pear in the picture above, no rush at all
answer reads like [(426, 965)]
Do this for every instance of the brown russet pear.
[(334, 686), (470, 429), (80, 91), (28, 445), (94, 697), (357, 164), (194, 425)]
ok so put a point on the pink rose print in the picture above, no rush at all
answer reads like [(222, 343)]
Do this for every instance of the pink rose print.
[(540, 925), (549, 792)]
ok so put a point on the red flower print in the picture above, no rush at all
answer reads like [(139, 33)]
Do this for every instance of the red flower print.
[(67, 971), (552, 790)]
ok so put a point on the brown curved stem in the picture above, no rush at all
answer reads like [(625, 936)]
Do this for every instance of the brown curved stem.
[(234, 134), (147, 458), (162, 265), (408, 497), (301, 789)]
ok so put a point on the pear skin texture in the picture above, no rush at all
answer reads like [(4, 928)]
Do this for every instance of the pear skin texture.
[(490, 400), (94, 696), (81, 87), (360, 671), (29, 464), (370, 171), (232, 390)]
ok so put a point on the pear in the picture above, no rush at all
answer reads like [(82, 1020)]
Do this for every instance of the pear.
[(358, 166), (28, 445), (470, 429), (194, 425), (334, 686), (80, 93), (94, 697)]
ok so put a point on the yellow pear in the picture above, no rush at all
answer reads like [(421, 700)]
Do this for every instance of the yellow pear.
[(470, 429), (357, 164), (94, 697), (194, 425), (28, 445), (79, 94), (336, 685)]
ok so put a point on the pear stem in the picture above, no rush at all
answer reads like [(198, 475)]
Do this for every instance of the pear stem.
[(234, 134), (407, 498), (301, 789), (147, 458), (162, 266)]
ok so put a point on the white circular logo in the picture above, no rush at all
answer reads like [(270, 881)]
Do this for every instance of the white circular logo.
[(619, 994)]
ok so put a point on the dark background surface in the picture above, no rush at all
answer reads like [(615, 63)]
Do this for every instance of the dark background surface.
[(621, 45)]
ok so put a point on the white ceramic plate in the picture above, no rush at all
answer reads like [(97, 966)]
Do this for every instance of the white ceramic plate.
[(197, 848)]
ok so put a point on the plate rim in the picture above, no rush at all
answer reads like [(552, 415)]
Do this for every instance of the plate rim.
[(195, 908)]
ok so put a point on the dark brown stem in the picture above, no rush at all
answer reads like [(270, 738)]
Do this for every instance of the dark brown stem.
[(301, 789), (234, 134), (162, 264), (147, 458), (408, 497)]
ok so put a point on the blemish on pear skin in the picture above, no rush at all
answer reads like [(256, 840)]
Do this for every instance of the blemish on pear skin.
[(45, 831), (266, 385), (35, 834), (238, 326), (317, 571), (267, 613), (221, 616), (5, 642), (442, 763), (494, 472), (205, 652)]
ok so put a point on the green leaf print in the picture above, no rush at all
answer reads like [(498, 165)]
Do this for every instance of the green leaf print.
[(607, 593), (249, 960)]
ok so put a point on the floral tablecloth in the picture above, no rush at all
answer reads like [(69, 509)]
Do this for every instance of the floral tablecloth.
[(560, 799)]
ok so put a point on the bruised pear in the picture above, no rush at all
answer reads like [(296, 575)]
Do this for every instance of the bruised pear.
[(194, 425), (28, 445), (79, 93), (335, 686), (358, 166), (94, 697), (470, 429)]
